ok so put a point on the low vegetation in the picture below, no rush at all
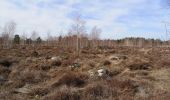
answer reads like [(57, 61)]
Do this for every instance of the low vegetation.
[(52, 74)]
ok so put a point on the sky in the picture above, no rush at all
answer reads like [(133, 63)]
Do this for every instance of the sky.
[(116, 18)]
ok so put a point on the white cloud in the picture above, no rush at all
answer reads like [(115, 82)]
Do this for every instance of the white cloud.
[(34, 17), (53, 15)]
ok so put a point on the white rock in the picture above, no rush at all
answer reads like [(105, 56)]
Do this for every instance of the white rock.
[(75, 65), (54, 58), (102, 72), (71, 66)]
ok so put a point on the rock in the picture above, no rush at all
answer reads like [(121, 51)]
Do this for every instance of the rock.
[(26, 89), (105, 74), (74, 66), (102, 72), (55, 61), (55, 58), (118, 57)]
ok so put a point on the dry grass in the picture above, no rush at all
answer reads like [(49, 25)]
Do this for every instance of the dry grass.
[(72, 80), (4, 71), (140, 66), (106, 63), (64, 93), (20, 78), (100, 90), (5, 63), (140, 77)]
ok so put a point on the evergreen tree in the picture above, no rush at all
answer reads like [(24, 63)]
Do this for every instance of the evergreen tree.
[(39, 40), (17, 39)]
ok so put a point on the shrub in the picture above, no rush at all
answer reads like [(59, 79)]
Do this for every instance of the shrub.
[(110, 90), (34, 54), (64, 94), (4, 71), (39, 91), (5, 62), (106, 62), (27, 77), (17, 39), (56, 63), (99, 91), (68, 62), (164, 63), (122, 84), (72, 79), (96, 90), (91, 64), (140, 66)]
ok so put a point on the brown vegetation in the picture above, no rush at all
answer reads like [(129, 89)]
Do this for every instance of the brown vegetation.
[(59, 74)]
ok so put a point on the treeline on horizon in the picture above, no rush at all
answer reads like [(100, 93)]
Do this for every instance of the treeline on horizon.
[(77, 37), (72, 41)]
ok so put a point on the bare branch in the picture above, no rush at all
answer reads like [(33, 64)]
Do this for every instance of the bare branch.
[(34, 35), (95, 33), (10, 29)]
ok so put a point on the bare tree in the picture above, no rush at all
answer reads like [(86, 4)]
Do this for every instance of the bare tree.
[(34, 36), (70, 32), (8, 33), (23, 38), (48, 38), (95, 33), (1, 41), (10, 28), (78, 28), (0, 30)]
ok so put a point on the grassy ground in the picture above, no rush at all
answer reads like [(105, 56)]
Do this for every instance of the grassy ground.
[(132, 73)]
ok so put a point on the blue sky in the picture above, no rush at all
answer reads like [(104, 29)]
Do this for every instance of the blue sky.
[(116, 18)]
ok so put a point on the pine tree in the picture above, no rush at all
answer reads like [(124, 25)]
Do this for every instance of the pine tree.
[(16, 39), (39, 40)]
